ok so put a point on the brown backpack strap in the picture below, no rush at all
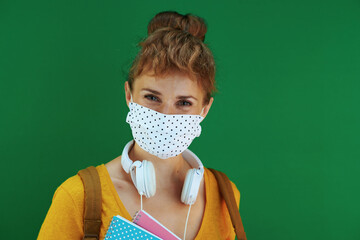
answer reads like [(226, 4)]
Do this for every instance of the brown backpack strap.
[(228, 195), (92, 212)]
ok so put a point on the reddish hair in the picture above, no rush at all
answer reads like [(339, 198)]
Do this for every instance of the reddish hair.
[(175, 45)]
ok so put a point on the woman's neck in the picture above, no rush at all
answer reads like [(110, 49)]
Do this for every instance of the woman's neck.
[(167, 171)]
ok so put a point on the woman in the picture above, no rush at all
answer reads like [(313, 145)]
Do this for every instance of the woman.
[(169, 92)]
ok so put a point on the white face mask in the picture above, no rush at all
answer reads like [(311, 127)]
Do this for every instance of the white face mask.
[(162, 135)]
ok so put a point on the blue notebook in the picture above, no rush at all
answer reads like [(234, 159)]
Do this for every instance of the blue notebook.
[(122, 229)]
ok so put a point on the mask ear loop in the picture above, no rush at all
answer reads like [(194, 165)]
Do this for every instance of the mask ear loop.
[(202, 110), (187, 218)]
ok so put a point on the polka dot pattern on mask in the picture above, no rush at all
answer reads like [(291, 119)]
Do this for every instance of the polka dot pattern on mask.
[(162, 135)]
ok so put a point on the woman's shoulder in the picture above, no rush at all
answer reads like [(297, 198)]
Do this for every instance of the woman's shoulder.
[(72, 184), (65, 215), (214, 184), (71, 192), (73, 187)]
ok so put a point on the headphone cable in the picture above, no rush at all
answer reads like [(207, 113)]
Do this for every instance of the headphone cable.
[(141, 205), (187, 218)]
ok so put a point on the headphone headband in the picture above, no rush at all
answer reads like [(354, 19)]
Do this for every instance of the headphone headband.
[(188, 155)]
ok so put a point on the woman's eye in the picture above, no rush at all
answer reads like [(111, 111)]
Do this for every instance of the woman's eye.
[(151, 97), (184, 103)]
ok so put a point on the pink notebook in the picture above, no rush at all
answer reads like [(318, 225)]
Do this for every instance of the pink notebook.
[(146, 221)]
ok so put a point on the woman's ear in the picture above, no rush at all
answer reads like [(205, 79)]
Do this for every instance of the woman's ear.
[(207, 107), (127, 93)]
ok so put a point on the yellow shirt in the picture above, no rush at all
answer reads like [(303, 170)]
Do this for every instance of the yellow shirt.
[(64, 219)]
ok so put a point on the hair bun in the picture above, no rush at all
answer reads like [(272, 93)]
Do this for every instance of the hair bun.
[(194, 25)]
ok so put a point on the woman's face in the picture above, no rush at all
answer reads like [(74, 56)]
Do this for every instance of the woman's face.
[(174, 94)]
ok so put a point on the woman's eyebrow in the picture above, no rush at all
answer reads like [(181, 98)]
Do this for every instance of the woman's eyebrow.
[(186, 97), (151, 90), (158, 93)]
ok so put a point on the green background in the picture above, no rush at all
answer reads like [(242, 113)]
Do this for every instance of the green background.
[(284, 125)]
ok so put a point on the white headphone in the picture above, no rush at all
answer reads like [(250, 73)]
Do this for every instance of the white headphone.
[(143, 175)]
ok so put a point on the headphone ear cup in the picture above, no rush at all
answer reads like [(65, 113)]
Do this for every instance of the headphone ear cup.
[(185, 194), (191, 186), (136, 172), (149, 179), (143, 177)]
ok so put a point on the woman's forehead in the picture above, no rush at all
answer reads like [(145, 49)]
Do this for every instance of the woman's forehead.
[(169, 84)]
